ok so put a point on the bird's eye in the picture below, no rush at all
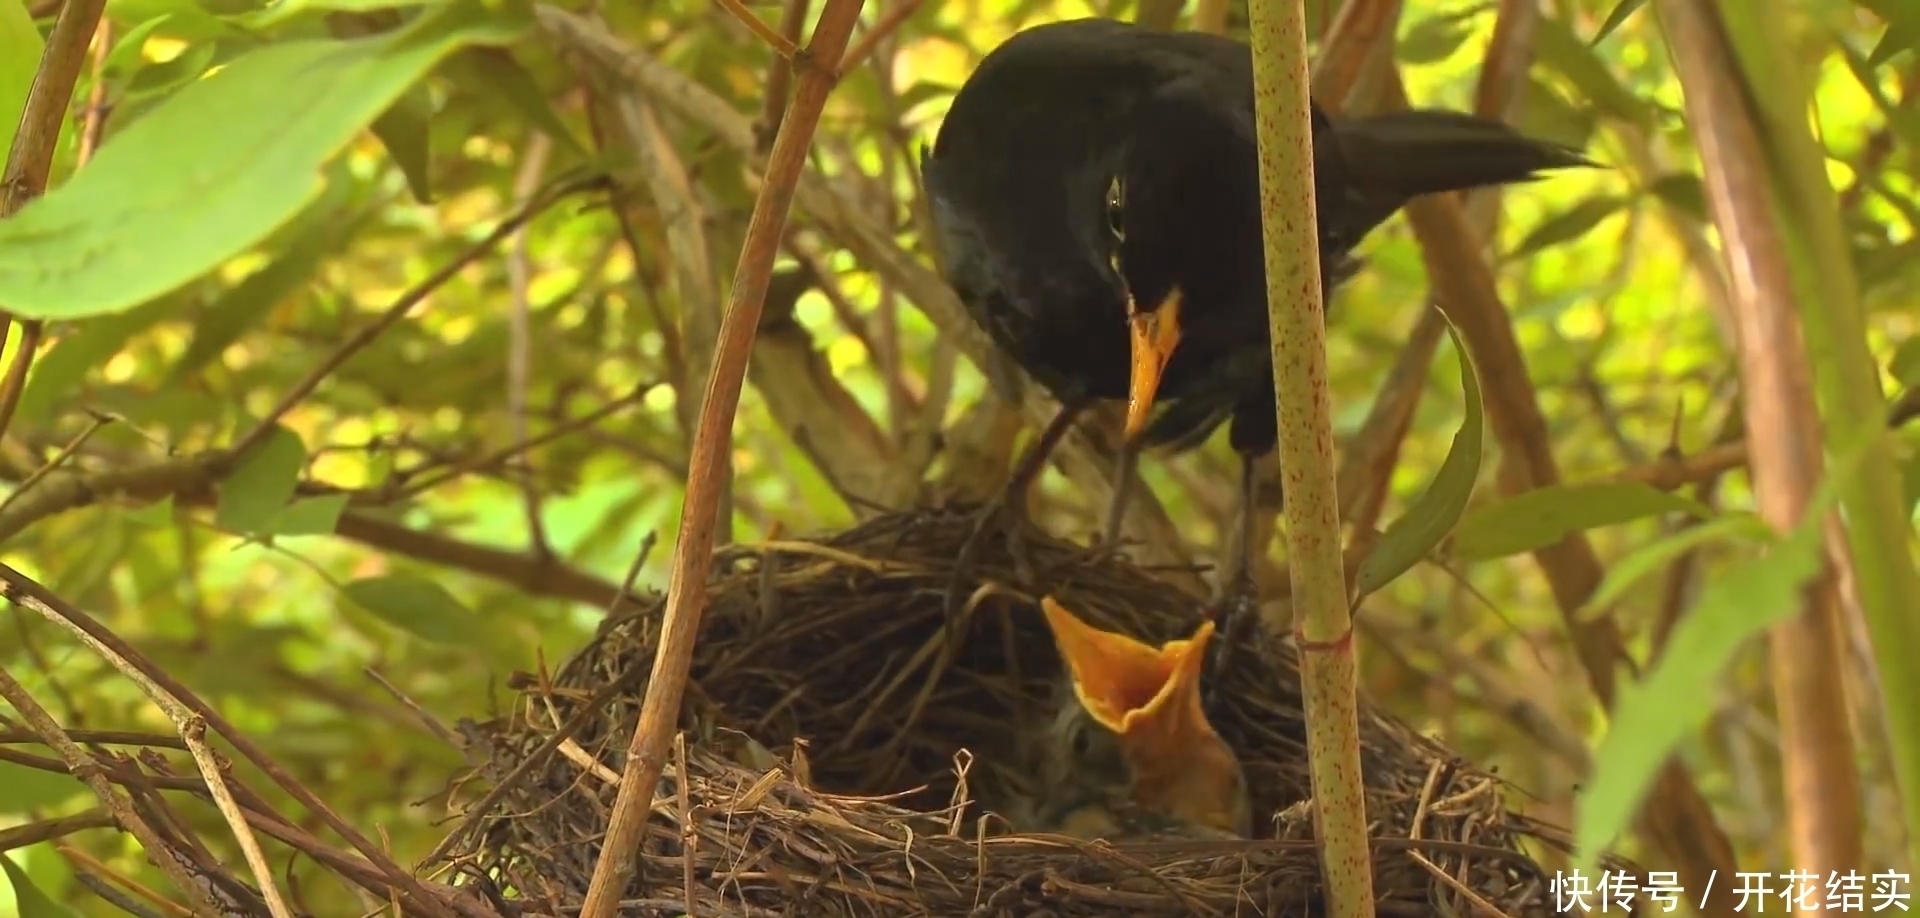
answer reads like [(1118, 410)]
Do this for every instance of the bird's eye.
[(1116, 201)]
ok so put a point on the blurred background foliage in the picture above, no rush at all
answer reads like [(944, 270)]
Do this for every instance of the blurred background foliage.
[(474, 481)]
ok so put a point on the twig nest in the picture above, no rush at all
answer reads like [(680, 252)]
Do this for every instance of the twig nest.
[(851, 751)]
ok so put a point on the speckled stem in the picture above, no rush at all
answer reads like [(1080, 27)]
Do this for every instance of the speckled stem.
[(1324, 628)]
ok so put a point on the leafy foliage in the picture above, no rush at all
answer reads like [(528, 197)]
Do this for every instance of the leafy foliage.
[(246, 192)]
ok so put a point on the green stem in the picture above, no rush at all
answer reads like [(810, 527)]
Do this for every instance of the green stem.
[(1294, 307), (1846, 375)]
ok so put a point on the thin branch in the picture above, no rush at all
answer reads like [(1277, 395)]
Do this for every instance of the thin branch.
[(774, 40), (889, 23), (30, 594), (83, 766), (411, 298), (660, 711)]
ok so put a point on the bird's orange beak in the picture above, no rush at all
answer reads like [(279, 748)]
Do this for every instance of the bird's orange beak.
[(1150, 698), (1154, 335)]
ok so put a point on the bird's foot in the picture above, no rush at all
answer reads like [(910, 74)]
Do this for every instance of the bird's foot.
[(1006, 518), (1236, 624)]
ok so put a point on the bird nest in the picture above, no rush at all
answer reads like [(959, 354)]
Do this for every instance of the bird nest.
[(846, 744)]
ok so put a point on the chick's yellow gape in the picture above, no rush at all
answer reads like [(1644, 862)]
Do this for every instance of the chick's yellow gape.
[(1150, 699)]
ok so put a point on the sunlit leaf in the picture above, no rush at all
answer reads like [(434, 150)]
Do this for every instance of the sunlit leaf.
[(1651, 557), (27, 898), (23, 789), (418, 606), (1436, 37), (217, 166), (1621, 11), (404, 130), (1574, 59), (1902, 34), (311, 516), (1543, 516), (261, 484), (20, 46), (1545, 113), (1569, 225), (1905, 365), (187, 20), (1655, 715), (249, 302), (1683, 191), (1411, 537), (158, 513), (281, 12), (496, 73), (63, 371)]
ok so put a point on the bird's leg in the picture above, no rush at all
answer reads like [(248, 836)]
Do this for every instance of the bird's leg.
[(1236, 609), (1129, 460), (1009, 508)]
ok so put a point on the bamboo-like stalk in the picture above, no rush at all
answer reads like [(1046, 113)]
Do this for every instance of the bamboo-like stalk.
[(1325, 629), (1746, 190), (1876, 527)]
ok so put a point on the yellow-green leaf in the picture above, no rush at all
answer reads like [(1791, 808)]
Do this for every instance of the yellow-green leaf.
[(23, 789), (418, 606), (27, 898), (218, 165), (1412, 536), (262, 484), (1655, 715), (1544, 516), (20, 47), (1568, 225), (1646, 559), (1617, 18)]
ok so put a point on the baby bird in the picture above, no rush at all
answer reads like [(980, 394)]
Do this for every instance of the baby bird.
[(1129, 752)]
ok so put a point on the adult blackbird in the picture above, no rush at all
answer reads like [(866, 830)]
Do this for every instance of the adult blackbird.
[(1094, 188)]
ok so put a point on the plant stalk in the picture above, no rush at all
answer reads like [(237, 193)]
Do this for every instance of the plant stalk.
[(1324, 628)]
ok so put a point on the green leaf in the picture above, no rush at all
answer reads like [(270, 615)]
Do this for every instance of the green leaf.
[(158, 513), (23, 789), (1415, 534), (1682, 191), (1575, 60), (20, 48), (262, 484), (1436, 37), (1617, 18), (1905, 365), (496, 73), (217, 166), (418, 606), (274, 15), (186, 20), (1903, 33), (27, 898), (63, 371), (404, 130), (1546, 113), (1568, 225), (312, 516), (249, 301), (1544, 516), (1655, 715), (1646, 559)]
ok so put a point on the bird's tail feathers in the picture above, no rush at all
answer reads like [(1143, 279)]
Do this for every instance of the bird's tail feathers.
[(1410, 153)]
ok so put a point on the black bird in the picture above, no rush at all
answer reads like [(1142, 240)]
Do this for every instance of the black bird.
[(1095, 192)]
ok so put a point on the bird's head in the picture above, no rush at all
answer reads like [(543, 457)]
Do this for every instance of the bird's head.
[(1149, 698), (1153, 310)]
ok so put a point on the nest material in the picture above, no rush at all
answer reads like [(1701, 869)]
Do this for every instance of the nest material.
[(902, 720)]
